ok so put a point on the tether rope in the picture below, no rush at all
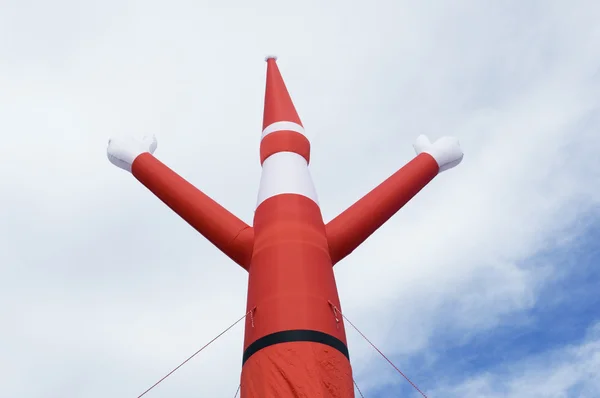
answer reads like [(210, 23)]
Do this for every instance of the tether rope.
[(239, 387), (358, 389), (378, 350), (194, 354)]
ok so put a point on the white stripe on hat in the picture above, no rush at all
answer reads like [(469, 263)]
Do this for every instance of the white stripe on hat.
[(282, 126), (285, 172)]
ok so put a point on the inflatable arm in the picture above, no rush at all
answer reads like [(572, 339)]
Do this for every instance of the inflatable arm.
[(227, 232), (353, 226)]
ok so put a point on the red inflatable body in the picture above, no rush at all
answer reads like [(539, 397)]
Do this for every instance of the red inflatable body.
[(295, 342)]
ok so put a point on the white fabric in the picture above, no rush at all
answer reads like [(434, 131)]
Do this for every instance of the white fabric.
[(281, 126), (446, 151), (285, 172), (122, 151)]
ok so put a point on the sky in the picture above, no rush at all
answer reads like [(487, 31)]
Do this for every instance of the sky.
[(484, 285)]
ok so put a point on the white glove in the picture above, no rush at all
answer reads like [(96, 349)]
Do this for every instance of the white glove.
[(122, 151), (446, 151)]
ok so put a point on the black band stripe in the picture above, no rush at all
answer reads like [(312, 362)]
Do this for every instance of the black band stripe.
[(289, 336)]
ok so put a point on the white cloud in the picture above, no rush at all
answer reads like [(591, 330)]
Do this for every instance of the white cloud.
[(102, 283), (564, 372)]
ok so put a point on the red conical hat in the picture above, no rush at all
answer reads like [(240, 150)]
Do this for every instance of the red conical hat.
[(278, 103)]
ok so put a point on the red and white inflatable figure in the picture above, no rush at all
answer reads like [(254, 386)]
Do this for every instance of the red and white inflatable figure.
[(295, 341)]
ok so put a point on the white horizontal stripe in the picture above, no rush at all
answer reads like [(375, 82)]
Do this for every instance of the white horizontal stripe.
[(285, 172), (281, 126)]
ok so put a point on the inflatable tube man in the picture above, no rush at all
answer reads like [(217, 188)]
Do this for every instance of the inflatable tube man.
[(295, 342)]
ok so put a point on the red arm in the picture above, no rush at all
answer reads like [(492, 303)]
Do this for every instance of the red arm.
[(227, 232), (352, 227)]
